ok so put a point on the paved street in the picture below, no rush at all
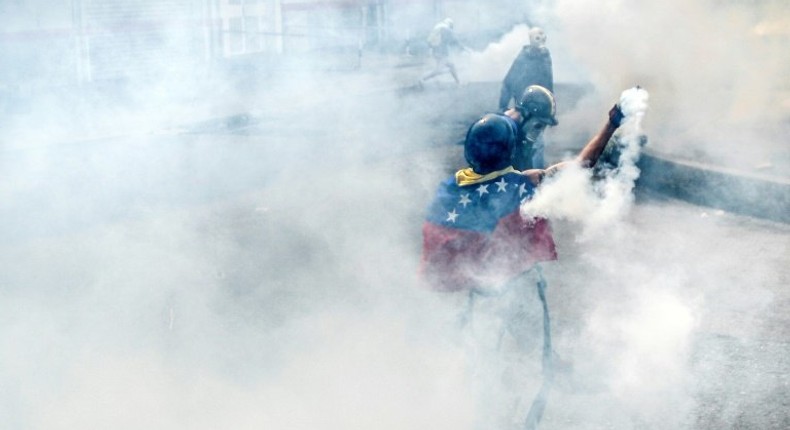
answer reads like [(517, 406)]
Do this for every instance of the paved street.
[(211, 218), (684, 311), (266, 269)]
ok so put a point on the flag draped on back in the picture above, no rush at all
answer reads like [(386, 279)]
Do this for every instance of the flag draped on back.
[(474, 235)]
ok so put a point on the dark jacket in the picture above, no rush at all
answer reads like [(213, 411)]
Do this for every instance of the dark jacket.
[(532, 66)]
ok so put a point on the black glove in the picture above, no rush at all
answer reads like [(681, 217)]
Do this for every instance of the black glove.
[(616, 116)]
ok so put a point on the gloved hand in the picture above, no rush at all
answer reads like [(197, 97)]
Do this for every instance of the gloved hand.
[(616, 116)]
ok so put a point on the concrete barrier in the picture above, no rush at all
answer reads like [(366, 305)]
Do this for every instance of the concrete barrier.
[(727, 189), (453, 108)]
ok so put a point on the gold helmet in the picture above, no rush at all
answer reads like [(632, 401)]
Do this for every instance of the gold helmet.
[(538, 102)]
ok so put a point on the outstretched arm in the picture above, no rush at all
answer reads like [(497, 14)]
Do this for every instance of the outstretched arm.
[(592, 151), (589, 155)]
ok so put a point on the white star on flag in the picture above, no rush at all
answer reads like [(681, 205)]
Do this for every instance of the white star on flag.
[(482, 189), (464, 200), (501, 185), (522, 189), (451, 216)]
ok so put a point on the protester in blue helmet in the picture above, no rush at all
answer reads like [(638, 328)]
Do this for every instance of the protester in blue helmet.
[(474, 233), (476, 241), (477, 209), (488, 141)]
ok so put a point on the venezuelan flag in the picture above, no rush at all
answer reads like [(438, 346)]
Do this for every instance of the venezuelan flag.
[(474, 235)]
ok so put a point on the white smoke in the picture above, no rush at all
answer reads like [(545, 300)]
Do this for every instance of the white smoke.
[(638, 350), (355, 373), (719, 78), (264, 281), (573, 195), (492, 63), (654, 330)]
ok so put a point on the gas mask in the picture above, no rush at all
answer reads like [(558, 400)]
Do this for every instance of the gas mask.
[(533, 128), (537, 37)]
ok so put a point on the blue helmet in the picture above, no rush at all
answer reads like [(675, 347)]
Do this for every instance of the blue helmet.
[(489, 143)]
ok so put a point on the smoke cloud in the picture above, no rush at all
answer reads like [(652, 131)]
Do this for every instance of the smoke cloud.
[(573, 195), (236, 245), (719, 81)]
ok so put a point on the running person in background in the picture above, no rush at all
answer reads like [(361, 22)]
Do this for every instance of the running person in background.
[(440, 40)]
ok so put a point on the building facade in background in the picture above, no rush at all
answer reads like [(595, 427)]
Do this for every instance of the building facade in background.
[(79, 41), (45, 43), (84, 41)]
